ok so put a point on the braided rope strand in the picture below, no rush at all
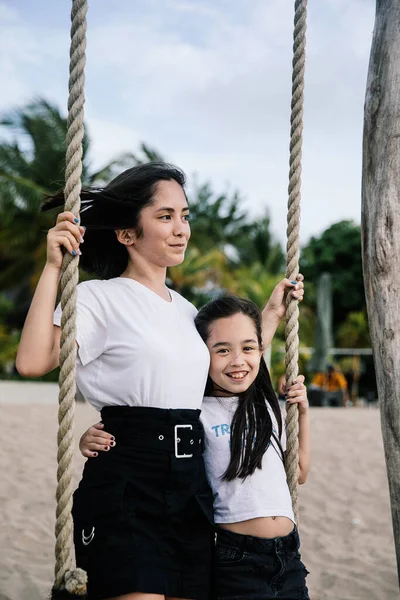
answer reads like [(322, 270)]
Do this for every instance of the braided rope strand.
[(69, 281), (293, 241)]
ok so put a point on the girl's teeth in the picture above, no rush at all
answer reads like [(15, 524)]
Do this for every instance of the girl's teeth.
[(241, 376)]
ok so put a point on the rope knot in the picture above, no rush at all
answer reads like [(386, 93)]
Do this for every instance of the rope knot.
[(73, 586), (75, 582)]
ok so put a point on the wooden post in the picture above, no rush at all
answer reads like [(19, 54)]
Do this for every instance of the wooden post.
[(381, 233)]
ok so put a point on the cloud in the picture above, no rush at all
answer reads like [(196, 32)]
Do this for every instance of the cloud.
[(32, 60), (199, 8), (208, 84)]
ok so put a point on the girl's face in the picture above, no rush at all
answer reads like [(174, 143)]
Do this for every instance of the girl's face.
[(165, 226), (235, 354)]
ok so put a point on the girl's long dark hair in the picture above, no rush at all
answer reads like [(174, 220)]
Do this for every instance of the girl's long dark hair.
[(116, 206), (251, 430)]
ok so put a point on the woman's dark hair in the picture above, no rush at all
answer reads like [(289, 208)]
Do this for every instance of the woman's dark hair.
[(116, 206), (251, 429)]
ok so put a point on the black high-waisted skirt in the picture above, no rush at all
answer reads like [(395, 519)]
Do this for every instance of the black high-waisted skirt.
[(143, 511)]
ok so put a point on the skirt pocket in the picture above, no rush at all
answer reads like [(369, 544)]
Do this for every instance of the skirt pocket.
[(97, 511)]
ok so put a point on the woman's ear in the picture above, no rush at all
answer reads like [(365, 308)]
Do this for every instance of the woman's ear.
[(125, 236)]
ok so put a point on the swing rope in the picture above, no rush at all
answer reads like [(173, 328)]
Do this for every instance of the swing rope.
[(293, 241), (73, 581)]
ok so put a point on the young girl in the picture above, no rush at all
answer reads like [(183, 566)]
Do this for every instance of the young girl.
[(257, 544)]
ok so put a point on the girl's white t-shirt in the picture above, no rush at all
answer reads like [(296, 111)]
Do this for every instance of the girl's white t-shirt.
[(265, 493), (136, 349)]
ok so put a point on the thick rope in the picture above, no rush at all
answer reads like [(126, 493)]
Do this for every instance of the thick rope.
[(293, 241), (69, 281)]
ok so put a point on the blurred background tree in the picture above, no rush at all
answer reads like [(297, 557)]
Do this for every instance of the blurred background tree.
[(229, 249), (337, 251), (32, 164)]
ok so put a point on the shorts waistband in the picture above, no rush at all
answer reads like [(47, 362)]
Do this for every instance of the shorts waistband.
[(177, 431), (249, 543)]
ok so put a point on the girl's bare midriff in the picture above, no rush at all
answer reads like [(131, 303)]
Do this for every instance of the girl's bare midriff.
[(262, 527)]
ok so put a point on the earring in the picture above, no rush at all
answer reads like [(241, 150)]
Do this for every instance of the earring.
[(128, 240)]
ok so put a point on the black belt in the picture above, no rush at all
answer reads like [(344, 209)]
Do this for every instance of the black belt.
[(184, 440)]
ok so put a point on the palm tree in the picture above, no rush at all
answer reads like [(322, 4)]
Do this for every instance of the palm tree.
[(32, 164), (227, 251), (218, 220), (224, 244), (200, 276), (256, 244)]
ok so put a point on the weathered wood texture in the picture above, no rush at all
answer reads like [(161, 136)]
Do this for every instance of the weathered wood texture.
[(381, 232)]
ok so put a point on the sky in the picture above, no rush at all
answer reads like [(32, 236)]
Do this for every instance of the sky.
[(208, 85)]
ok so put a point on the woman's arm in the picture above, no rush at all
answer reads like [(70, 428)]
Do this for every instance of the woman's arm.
[(39, 348), (38, 351), (275, 308), (297, 393)]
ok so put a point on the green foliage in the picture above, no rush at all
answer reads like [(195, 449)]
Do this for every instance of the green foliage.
[(6, 306), (218, 220), (354, 331), (338, 252), (33, 164), (255, 244), (229, 250), (9, 340), (199, 275)]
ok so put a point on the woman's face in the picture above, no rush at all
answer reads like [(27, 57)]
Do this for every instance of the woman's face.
[(235, 353), (165, 226)]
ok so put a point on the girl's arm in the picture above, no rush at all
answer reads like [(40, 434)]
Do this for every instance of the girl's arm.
[(275, 308), (304, 446), (39, 348), (96, 440), (297, 393)]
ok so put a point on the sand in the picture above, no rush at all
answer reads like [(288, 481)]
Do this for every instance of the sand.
[(345, 527)]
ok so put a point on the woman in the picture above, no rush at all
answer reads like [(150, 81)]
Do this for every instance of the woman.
[(142, 514)]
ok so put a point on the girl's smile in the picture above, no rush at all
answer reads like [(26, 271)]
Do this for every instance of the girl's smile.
[(238, 375), (235, 354)]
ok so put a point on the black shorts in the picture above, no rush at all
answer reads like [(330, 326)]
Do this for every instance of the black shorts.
[(143, 511), (248, 567)]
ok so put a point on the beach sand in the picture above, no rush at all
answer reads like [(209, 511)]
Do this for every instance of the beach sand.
[(345, 522)]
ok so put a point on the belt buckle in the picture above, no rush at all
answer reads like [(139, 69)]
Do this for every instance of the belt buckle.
[(177, 440)]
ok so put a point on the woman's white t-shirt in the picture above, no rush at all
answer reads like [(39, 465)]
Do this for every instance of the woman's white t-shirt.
[(265, 493), (136, 349)]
